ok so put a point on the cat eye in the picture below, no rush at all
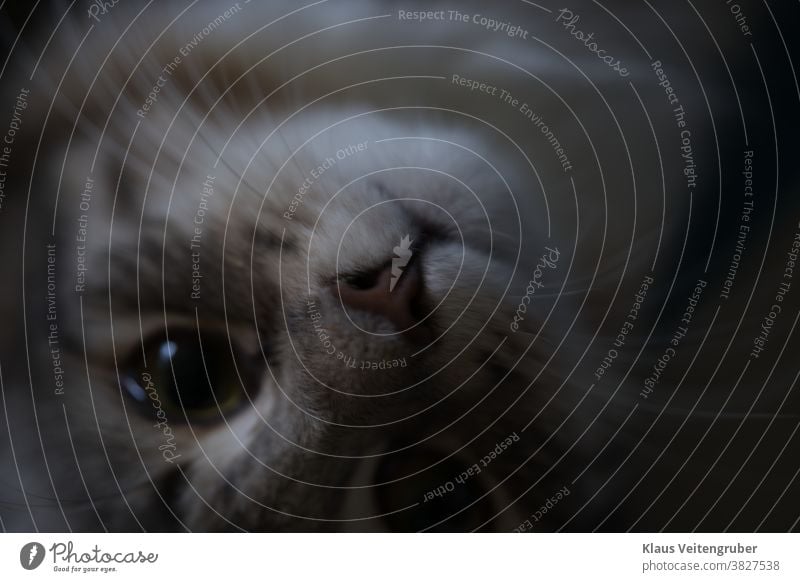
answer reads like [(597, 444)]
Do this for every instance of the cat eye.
[(190, 377), (363, 279)]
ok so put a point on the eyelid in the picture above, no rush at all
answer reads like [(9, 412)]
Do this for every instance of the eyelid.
[(131, 334)]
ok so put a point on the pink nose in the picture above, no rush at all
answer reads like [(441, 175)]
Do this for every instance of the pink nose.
[(390, 295)]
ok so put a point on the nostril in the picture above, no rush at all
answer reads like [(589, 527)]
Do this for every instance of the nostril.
[(385, 292)]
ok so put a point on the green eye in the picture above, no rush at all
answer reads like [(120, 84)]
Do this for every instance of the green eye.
[(190, 378)]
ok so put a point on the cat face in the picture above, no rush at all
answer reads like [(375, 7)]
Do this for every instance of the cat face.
[(282, 318), (249, 348)]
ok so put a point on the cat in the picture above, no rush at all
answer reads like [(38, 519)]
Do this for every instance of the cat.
[(362, 266)]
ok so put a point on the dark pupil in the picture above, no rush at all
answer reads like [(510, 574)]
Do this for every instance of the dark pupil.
[(193, 378)]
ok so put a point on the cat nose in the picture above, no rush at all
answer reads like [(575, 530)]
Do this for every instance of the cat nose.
[(392, 293)]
